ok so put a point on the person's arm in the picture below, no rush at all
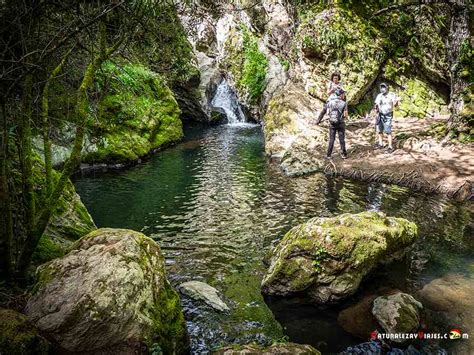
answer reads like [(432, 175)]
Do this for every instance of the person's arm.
[(330, 88), (376, 106), (396, 100), (321, 114), (346, 112)]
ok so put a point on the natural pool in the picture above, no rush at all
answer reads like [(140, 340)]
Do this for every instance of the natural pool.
[(216, 205)]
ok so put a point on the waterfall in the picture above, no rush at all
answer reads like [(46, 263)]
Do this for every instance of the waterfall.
[(225, 100)]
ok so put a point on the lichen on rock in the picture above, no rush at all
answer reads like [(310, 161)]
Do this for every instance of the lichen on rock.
[(109, 292), (327, 258)]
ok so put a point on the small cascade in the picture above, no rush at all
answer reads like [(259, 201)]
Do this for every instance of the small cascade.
[(225, 101)]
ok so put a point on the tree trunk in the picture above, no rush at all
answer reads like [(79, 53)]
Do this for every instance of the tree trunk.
[(82, 112), (6, 219), (45, 120), (459, 36)]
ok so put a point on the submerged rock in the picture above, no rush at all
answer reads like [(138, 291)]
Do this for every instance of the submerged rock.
[(398, 313), (278, 348), (19, 336), (451, 298), (201, 291), (358, 319), (109, 292), (327, 258)]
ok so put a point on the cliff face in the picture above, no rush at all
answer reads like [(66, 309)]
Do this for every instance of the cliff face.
[(278, 57)]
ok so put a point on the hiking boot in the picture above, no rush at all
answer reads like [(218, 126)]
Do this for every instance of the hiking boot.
[(344, 155), (328, 157), (378, 146), (390, 150)]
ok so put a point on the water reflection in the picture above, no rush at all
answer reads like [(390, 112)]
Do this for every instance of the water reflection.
[(216, 206)]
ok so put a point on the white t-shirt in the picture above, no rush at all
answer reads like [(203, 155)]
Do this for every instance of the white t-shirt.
[(385, 102)]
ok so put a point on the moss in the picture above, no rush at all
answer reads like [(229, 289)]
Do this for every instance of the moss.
[(47, 250), (169, 327), (137, 114), (19, 336)]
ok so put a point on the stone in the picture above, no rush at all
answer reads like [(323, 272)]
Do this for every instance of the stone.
[(327, 258), (397, 313), (451, 297), (109, 292), (201, 291), (358, 319), (277, 348), (19, 336)]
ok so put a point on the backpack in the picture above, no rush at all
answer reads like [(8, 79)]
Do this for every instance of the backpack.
[(336, 112)]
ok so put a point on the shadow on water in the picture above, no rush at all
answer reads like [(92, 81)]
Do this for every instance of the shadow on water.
[(216, 206)]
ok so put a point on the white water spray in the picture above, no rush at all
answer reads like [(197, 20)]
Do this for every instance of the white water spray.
[(225, 100)]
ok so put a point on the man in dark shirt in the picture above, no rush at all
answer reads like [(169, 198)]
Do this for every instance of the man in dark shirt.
[(336, 108)]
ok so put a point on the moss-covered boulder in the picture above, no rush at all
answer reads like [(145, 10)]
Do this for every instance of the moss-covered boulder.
[(109, 292), (327, 258), (337, 39), (136, 115), (277, 348), (19, 336), (397, 313)]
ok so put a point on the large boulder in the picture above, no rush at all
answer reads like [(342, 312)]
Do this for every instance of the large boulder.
[(327, 258), (277, 348), (290, 114), (137, 114), (109, 292), (398, 313)]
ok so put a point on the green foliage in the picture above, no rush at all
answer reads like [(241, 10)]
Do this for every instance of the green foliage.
[(254, 68), (163, 45)]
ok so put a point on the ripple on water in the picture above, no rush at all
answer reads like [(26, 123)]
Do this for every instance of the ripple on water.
[(216, 206)]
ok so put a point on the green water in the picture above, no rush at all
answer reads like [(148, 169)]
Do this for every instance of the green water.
[(216, 205)]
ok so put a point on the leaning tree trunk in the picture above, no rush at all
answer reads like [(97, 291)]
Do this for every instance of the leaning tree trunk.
[(459, 36)]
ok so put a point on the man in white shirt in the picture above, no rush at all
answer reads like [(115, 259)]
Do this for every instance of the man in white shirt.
[(384, 104)]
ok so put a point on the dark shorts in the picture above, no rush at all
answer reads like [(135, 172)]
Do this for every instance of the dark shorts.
[(384, 123)]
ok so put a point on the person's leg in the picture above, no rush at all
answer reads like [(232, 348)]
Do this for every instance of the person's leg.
[(332, 137), (379, 130), (388, 130), (342, 139)]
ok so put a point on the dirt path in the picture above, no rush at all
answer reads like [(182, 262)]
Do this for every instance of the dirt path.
[(419, 162)]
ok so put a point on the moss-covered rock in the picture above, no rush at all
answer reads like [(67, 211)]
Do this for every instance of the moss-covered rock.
[(19, 336), (418, 99), (70, 219), (398, 313), (137, 114), (338, 39), (327, 258), (289, 113), (277, 348), (109, 292)]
